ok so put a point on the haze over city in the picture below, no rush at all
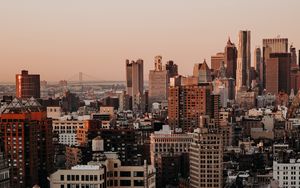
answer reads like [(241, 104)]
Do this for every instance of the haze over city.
[(57, 39)]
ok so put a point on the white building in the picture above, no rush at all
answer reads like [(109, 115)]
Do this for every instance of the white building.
[(287, 174), (54, 112), (165, 140), (66, 130), (92, 175)]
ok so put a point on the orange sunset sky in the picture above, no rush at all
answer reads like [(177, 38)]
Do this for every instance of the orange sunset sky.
[(59, 38)]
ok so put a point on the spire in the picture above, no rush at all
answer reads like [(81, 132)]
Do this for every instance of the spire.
[(204, 65), (229, 41)]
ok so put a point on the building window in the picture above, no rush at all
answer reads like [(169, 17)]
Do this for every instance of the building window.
[(62, 178), (115, 165), (138, 182), (125, 183), (125, 174), (138, 174)]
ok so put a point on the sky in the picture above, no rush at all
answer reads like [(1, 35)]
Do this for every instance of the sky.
[(59, 38)]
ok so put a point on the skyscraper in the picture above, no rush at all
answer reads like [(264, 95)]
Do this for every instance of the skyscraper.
[(243, 79), (158, 82), (278, 68), (216, 60), (135, 82), (206, 158), (201, 73), (293, 57), (272, 45), (257, 61), (27, 85), (27, 136), (172, 69), (186, 103), (230, 58), (204, 74)]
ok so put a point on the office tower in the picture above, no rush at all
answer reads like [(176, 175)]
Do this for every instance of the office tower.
[(257, 61), (172, 69), (27, 85), (243, 61), (158, 83), (186, 103), (201, 74), (214, 111), (272, 45), (216, 61), (27, 134), (135, 82), (278, 73), (206, 159), (293, 57), (230, 59), (204, 74), (295, 79)]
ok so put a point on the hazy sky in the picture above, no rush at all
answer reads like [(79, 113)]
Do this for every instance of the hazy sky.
[(59, 38)]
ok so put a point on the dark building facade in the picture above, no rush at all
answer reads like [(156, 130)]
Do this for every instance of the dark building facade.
[(172, 69), (278, 69), (230, 58), (27, 136), (122, 141), (4, 170), (27, 85), (168, 168)]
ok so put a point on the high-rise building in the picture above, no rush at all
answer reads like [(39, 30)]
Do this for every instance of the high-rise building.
[(230, 58), (204, 74), (278, 68), (257, 62), (27, 85), (216, 60), (272, 45), (243, 61), (158, 83), (27, 136), (172, 69), (206, 159), (135, 77), (201, 74), (186, 103), (293, 57), (135, 82)]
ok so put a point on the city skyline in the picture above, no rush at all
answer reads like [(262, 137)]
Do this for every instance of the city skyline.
[(97, 37)]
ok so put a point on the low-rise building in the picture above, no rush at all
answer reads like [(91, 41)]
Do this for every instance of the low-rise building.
[(107, 172), (165, 140), (287, 173), (66, 130)]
